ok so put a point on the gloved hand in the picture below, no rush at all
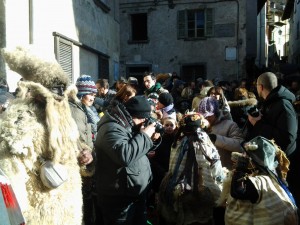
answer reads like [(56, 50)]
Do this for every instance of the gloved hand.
[(212, 137)]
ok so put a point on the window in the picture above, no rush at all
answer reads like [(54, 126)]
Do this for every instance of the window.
[(64, 56), (103, 67), (139, 29), (195, 23)]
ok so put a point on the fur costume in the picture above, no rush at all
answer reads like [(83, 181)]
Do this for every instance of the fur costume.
[(37, 124), (190, 189)]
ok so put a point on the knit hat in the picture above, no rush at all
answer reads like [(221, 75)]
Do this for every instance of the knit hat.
[(85, 85), (153, 95), (262, 151), (133, 81), (208, 106), (166, 99), (138, 107)]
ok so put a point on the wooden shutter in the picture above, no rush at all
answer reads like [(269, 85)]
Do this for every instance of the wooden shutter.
[(65, 57), (208, 22), (181, 24)]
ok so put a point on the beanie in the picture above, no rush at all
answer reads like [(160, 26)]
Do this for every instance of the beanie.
[(209, 106), (138, 107), (165, 98), (85, 85)]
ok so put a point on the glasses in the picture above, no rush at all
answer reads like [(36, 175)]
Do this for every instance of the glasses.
[(168, 125)]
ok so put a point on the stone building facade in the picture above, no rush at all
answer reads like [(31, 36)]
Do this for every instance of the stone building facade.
[(83, 35), (208, 39)]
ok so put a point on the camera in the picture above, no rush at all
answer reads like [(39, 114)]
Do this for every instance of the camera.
[(158, 127), (253, 111)]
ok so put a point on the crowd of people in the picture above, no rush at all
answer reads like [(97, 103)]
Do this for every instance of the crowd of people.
[(173, 152)]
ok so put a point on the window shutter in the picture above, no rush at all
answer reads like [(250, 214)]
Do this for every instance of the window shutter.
[(208, 22), (181, 24), (65, 57)]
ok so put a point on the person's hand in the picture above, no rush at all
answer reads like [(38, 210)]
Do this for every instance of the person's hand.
[(155, 136), (253, 120), (149, 130), (85, 157), (151, 154), (159, 114)]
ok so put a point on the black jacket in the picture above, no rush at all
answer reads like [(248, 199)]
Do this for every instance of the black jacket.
[(123, 168), (279, 121)]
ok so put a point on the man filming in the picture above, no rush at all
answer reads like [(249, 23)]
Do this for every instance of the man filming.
[(123, 170)]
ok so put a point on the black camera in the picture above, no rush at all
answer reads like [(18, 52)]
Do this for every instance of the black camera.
[(253, 111), (159, 128)]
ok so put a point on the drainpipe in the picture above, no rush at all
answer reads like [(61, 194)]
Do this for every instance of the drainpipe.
[(2, 37), (30, 13)]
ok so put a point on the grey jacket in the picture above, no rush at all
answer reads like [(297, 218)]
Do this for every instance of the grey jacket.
[(123, 169)]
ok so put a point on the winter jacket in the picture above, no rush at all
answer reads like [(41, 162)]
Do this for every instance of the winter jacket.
[(156, 88), (123, 168), (279, 121), (228, 139), (81, 120), (102, 102)]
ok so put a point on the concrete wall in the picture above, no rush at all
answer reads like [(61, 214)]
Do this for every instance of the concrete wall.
[(166, 53), (79, 20)]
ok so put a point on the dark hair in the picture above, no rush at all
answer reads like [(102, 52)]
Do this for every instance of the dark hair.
[(103, 83), (219, 91), (153, 76), (127, 90)]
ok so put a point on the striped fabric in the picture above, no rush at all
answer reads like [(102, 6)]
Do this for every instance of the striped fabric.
[(85, 85), (273, 207)]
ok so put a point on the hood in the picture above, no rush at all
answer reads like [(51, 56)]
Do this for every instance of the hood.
[(281, 92), (243, 102)]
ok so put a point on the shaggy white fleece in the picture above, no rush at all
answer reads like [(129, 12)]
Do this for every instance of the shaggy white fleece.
[(38, 124)]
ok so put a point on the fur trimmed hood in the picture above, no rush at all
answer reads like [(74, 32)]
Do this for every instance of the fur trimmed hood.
[(243, 102)]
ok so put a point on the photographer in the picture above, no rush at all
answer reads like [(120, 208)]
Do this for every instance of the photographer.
[(123, 170), (278, 120)]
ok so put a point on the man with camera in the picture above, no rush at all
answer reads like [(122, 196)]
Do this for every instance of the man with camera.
[(277, 120), (123, 170)]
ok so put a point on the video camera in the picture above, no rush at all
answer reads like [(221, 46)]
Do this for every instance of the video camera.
[(253, 111), (158, 126)]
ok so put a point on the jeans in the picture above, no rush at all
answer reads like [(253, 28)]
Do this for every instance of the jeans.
[(118, 210)]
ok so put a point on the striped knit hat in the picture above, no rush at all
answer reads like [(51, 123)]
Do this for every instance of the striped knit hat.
[(85, 85)]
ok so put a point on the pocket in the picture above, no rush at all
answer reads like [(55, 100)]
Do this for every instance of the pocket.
[(138, 177)]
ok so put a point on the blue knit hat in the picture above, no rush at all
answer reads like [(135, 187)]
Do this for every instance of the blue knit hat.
[(85, 85)]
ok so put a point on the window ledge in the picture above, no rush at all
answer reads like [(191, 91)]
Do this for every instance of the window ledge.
[(102, 5), (195, 39), (138, 42)]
